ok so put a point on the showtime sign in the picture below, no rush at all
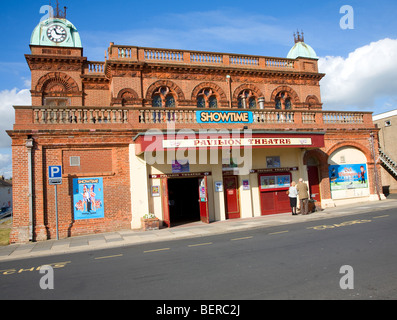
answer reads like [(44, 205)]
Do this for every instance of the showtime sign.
[(224, 117)]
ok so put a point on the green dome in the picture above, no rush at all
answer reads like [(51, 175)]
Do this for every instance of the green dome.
[(303, 50), (57, 32)]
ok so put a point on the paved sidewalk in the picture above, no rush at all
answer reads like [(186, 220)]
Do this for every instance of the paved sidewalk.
[(198, 229)]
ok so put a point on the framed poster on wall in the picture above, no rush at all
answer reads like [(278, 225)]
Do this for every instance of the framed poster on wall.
[(88, 198), (273, 162), (271, 182), (348, 176), (180, 167)]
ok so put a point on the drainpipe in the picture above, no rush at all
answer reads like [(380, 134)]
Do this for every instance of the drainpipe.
[(29, 146), (229, 80), (375, 166)]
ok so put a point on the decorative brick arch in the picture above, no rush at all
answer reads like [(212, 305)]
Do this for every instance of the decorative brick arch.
[(353, 144), (322, 169), (217, 89), (258, 93), (127, 94), (291, 93), (312, 101), (164, 83), (320, 155), (56, 82)]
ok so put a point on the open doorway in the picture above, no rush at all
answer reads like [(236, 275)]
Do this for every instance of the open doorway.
[(183, 199)]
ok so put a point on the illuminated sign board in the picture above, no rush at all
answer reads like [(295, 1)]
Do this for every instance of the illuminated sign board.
[(224, 117), (236, 142)]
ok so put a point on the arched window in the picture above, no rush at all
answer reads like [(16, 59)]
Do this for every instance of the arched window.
[(200, 102), (288, 105), (170, 101), (252, 103), (283, 101), (156, 102), (207, 98), (247, 99), (278, 104), (213, 102), (163, 97)]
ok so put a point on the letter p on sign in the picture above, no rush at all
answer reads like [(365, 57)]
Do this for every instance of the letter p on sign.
[(55, 172), (55, 175)]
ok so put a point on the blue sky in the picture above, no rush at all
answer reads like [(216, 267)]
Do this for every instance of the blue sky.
[(361, 64)]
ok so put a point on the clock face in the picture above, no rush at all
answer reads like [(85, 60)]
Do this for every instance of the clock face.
[(56, 33)]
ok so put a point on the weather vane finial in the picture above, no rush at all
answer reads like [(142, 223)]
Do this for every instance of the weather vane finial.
[(58, 13), (298, 37)]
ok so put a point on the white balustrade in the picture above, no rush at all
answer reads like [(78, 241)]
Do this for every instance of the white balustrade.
[(244, 60), (79, 115), (163, 55), (200, 57)]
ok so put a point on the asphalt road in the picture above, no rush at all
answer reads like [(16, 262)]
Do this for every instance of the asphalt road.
[(300, 261)]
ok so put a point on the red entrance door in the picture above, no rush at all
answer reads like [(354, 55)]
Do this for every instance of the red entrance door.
[(164, 198), (314, 183), (232, 203), (273, 187), (203, 200), (275, 202)]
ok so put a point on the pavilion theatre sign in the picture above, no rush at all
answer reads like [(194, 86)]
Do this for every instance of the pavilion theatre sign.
[(236, 142)]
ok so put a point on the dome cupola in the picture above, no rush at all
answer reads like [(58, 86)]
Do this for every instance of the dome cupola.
[(56, 31), (301, 49)]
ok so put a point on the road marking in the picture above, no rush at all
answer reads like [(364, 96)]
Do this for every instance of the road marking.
[(108, 257), (343, 224), (200, 244), (55, 265), (279, 232), (245, 238), (381, 216), (156, 250)]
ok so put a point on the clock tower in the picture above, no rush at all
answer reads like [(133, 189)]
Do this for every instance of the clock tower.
[(56, 31), (56, 62)]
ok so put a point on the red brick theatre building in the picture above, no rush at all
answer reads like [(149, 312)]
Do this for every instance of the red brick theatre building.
[(184, 135)]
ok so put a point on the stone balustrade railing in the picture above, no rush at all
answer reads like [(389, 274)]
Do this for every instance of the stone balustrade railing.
[(141, 118), (131, 53), (180, 116), (79, 115), (94, 67)]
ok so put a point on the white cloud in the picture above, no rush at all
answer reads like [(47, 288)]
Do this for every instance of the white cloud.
[(365, 77), (8, 99), (5, 165)]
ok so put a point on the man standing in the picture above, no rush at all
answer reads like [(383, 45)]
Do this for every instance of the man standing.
[(303, 196)]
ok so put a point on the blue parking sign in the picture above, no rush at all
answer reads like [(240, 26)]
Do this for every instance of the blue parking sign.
[(55, 175)]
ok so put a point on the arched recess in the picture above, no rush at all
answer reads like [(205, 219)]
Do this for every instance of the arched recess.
[(312, 102), (208, 95), (258, 93), (217, 89), (351, 171), (320, 156), (127, 96), (55, 88), (316, 161), (164, 83), (247, 96), (353, 144), (291, 93)]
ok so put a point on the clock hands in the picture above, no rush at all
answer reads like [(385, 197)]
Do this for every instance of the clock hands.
[(57, 34)]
